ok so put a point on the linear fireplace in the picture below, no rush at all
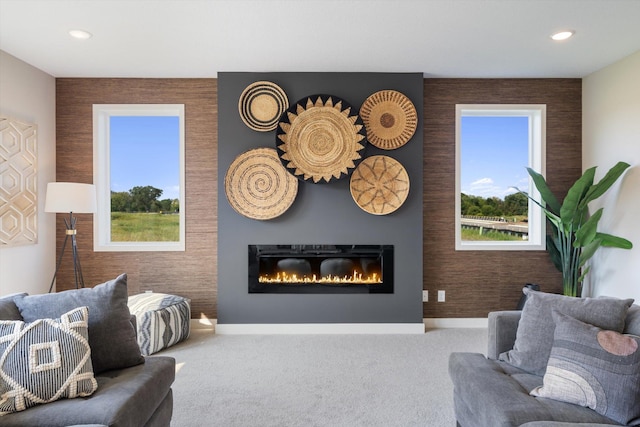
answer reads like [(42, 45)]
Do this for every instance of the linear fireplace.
[(321, 269)]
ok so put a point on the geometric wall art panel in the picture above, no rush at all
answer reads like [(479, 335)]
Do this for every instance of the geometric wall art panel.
[(18, 183)]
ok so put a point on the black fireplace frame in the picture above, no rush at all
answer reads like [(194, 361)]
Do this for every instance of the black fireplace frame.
[(260, 254)]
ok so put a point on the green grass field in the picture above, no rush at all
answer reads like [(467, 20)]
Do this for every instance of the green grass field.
[(144, 227), (471, 234)]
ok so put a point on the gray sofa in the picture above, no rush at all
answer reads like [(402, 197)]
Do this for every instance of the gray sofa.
[(493, 393), (132, 390)]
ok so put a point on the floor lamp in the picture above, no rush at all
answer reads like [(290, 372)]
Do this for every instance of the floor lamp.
[(70, 197)]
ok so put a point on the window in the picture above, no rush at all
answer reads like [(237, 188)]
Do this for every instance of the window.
[(138, 167), (494, 146)]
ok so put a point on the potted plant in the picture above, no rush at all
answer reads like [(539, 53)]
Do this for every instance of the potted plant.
[(574, 237)]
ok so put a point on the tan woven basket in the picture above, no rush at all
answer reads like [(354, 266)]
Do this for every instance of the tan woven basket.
[(390, 118), (320, 138), (258, 186), (261, 104), (379, 185)]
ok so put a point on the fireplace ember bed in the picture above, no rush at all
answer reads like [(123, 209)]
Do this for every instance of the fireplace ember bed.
[(321, 269)]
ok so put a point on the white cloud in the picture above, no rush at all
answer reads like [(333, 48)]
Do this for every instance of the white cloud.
[(486, 187), (482, 182)]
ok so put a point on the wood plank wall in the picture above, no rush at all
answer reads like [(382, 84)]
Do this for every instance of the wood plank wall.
[(476, 282), (192, 273)]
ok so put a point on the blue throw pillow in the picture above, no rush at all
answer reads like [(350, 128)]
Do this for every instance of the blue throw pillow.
[(534, 337), (8, 308), (112, 337)]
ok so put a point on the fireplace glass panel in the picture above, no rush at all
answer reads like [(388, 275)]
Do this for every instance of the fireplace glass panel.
[(320, 269)]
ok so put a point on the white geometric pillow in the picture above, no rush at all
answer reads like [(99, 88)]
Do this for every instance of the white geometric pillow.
[(44, 361)]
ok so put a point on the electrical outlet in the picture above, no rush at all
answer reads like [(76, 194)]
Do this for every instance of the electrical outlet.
[(440, 296), (425, 296)]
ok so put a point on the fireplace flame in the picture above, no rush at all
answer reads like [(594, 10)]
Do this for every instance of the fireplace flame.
[(355, 279)]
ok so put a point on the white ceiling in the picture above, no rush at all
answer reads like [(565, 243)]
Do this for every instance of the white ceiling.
[(198, 38)]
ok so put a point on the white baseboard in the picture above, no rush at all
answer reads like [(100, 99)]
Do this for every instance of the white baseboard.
[(444, 323), (339, 328), (321, 328)]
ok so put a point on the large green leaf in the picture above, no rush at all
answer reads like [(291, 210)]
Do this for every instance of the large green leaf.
[(554, 253), (555, 219), (574, 238), (586, 233), (611, 241), (572, 210), (588, 251), (584, 273), (538, 180), (605, 183)]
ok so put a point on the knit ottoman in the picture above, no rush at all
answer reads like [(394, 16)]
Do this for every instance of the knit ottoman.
[(162, 320)]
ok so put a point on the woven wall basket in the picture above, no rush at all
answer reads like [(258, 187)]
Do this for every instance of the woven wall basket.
[(390, 118), (321, 137), (379, 185), (258, 186), (261, 104)]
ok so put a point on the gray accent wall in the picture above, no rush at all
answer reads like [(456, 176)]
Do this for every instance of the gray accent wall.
[(322, 213)]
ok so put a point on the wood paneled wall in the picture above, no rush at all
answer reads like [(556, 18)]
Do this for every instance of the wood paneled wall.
[(192, 273), (477, 282)]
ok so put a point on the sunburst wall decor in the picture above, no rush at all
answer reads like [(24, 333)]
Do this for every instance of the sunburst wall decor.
[(321, 137)]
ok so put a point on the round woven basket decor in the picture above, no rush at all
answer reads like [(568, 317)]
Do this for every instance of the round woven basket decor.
[(321, 137), (261, 104), (258, 186), (390, 118), (379, 185)]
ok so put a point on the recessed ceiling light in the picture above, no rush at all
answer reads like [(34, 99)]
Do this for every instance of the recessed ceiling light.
[(562, 35), (80, 34)]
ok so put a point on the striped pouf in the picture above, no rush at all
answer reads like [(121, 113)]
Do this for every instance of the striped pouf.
[(163, 320)]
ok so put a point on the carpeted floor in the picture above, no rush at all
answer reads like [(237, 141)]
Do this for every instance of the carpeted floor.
[(317, 380)]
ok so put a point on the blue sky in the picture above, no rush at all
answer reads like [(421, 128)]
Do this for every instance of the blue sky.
[(494, 155), (145, 151)]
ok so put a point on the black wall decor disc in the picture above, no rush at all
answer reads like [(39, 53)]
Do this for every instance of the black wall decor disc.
[(321, 138)]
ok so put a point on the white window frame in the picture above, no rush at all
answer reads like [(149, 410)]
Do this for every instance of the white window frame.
[(537, 156), (102, 114)]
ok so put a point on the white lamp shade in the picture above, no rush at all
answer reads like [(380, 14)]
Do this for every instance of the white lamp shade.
[(65, 197)]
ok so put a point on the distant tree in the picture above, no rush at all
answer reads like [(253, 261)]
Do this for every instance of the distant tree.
[(145, 199), (165, 205), (489, 210), (473, 211), (466, 204), (513, 204), (516, 204), (120, 201), (493, 205)]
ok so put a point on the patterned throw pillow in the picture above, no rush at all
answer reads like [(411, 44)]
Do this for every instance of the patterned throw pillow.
[(44, 361), (111, 334), (595, 368), (534, 337)]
